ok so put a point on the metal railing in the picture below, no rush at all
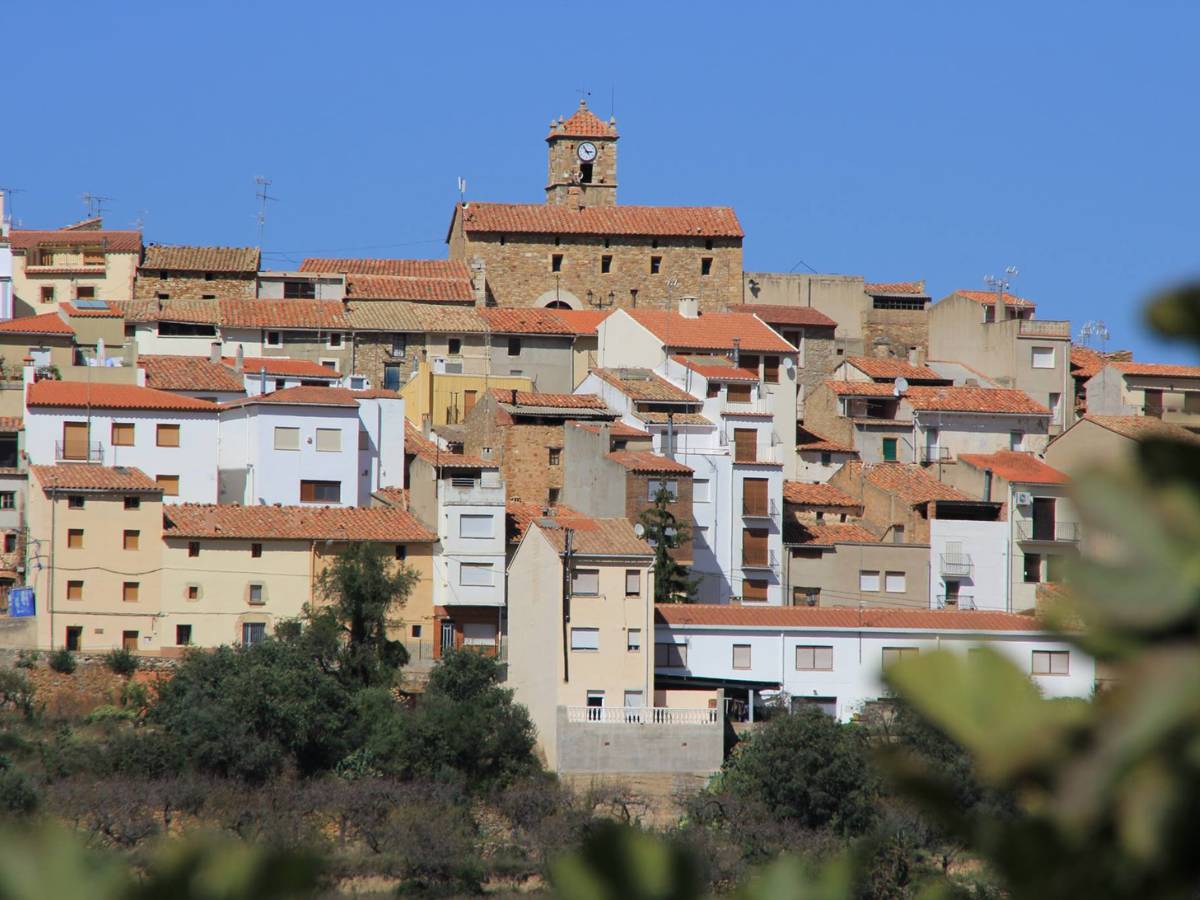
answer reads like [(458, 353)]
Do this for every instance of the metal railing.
[(1046, 327), (770, 561), (1062, 532), (931, 455), (957, 564), (70, 451), (642, 715), (759, 511), (956, 601)]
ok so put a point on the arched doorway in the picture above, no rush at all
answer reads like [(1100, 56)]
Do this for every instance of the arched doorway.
[(557, 304), (558, 299)]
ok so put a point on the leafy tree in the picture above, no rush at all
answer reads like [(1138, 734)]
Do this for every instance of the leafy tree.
[(361, 588), (665, 533)]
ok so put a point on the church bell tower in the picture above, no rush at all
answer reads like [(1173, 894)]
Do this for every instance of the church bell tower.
[(583, 160)]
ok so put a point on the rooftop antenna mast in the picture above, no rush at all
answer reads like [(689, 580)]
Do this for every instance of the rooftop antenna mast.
[(95, 204), (1001, 284), (261, 184), (8, 195), (1094, 328)]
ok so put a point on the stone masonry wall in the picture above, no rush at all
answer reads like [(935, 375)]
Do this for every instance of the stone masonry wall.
[(897, 330), (637, 494), (148, 285)]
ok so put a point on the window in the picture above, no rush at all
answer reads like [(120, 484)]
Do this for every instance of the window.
[(1043, 358), (75, 538), (1051, 662), (479, 634), (255, 596), (401, 552), (895, 654), (129, 640), (606, 264), (889, 449), (556, 262), (10, 542), (738, 393), (131, 539), (1015, 440), (334, 340), (655, 265), (8, 500), (329, 440), (193, 592), (167, 435), (754, 547), (85, 292), (1033, 568), (552, 495), (754, 590), (771, 369), (806, 596), (755, 497), (193, 549), (826, 458), (897, 534), (476, 526), (895, 582), (475, 574), (1055, 404), (868, 580), (555, 455), (814, 659), (74, 590), (273, 339), (186, 329), (633, 640), (585, 173), (585, 582), (745, 444), (415, 630), (75, 501), (183, 635), (741, 656), (47, 293), (129, 591), (320, 491), (701, 490), (633, 582), (299, 290), (122, 434), (595, 701), (514, 346), (256, 551), (706, 265), (330, 364), (654, 485), (133, 502), (670, 656), (585, 638), (748, 361), (454, 346), (399, 344), (74, 637), (254, 633)]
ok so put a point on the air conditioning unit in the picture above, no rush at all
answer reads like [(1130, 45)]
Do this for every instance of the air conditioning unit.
[(1023, 498), (439, 365)]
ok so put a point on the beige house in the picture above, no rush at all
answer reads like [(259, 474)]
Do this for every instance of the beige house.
[(582, 644), (1109, 441), (844, 564), (1167, 392), (82, 261)]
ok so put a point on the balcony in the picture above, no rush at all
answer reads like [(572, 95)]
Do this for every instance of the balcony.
[(1047, 532), (642, 715), (78, 451), (1045, 327), (767, 562), (753, 510), (957, 565), (955, 601), (931, 455), (471, 492)]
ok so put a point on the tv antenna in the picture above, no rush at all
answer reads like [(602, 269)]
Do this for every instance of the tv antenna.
[(462, 191), (1094, 328), (261, 184), (140, 222), (95, 204), (8, 194), (1003, 283)]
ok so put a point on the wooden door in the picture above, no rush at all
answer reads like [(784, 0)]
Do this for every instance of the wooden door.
[(1043, 518), (75, 440)]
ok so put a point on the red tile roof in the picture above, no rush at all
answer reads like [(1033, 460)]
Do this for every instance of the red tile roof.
[(419, 445), (820, 494), (583, 123), (305, 523), (520, 515), (1142, 427), (111, 241), (660, 221), (1160, 370), (988, 298), (974, 399), (322, 314), (716, 368), (826, 534), (111, 396), (298, 368), (911, 483), (526, 320), (1023, 468), (45, 323), (82, 477), (562, 401), (844, 388), (299, 396), (203, 312), (420, 290), (188, 373), (645, 461), (711, 331), (436, 269), (582, 321), (644, 384), (916, 288), (102, 312), (695, 614), (597, 537), (617, 429), (774, 314), (810, 440), (201, 259), (892, 368)]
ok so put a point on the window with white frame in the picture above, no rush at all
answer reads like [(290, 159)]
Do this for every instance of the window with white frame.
[(475, 574), (479, 634), (287, 438), (895, 582), (701, 490), (653, 486), (329, 440), (896, 654), (633, 640), (814, 659), (585, 638), (585, 582), (1051, 662), (633, 582), (868, 580), (1042, 358), (741, 656), (475, 526), (334, 340), (273, 339)]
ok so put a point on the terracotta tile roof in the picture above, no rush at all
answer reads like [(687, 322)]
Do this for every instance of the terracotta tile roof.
[(309, 314), (643, 384), (436, 269), (774, 314), (881, 288), (583, 123), (655, 221), (392, 496), (94, 223), (188, 373), (909, 482), (520, 514), (419, 445), (810, 440), (201, 312), (402, 315), (1024, 468), (275, 365), (103, 311), (819, 494), (83, 477), (582, 321), (844, 388), (716, 368), (891, 369), (305, 523), (1086, 362), (645, 461), (376, 393), (988, 298), (825, 534), (110, 241), (660, 418), (559, 401), (974, 399), (711, 331), (302, 395), (111, 396), (528, 320), (421, 290), (45, 323), (1160, 370), (1143, 427), (201, 259), (592, 536), (694, 614)]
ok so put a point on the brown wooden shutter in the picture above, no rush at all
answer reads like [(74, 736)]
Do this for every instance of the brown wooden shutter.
[(754, 546), (754, 497), (75, 440), (744, 444), (738, 393)]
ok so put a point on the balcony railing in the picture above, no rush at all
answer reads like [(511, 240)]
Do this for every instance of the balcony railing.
[(767, 561), (766, 510), (70, 451), (955, 601), (1046, 327), (642, 715), (958, 565), (1057, 532), (476, 494), (931, 455)]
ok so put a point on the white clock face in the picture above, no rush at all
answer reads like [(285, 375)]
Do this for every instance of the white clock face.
[(587, 151)]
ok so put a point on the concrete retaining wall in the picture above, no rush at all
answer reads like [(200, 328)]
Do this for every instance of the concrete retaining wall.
[(620, 748)]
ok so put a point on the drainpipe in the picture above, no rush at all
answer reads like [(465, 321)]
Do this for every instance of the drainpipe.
[(670, 451), (50, 600), (987, 485)]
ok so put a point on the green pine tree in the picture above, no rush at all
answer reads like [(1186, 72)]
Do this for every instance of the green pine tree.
[(665, 533)]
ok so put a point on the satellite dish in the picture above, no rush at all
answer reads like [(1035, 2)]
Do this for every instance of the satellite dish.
[(901, 386), (639, 529), (788, 364)]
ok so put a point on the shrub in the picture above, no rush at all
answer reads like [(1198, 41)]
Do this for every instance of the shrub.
[(121, 662), (110, 714), (62, 661), (18, 796), (27, 659), (16, 692)]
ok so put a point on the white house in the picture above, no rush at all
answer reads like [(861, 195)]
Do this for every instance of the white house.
[(834, 657), (968, 564), (6, 266), (263, 374), (170, 437)]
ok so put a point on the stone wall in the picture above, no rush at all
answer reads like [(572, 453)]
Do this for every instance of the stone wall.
[(636, 749), (192, 286), (894, 332), (521, 451), (637, 499)]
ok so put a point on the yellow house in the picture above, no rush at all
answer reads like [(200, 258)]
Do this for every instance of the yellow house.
[(94, 557), (232, 573), (447, 397), (81, 262), (583, 652)]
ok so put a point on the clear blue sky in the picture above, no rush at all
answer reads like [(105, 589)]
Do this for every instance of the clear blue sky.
[(897, 140)]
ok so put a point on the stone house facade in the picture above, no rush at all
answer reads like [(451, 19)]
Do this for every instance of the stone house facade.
[(197, 273)]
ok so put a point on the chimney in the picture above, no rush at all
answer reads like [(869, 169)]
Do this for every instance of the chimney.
[(214, 352), (605, 437), (737, 352), (262, 380), (916, 356), (239, 359), (689, 307), (513, 394), (1000, 316), (987, 485)]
